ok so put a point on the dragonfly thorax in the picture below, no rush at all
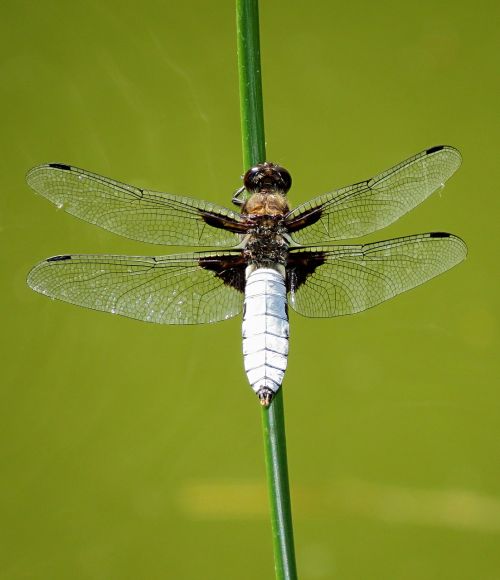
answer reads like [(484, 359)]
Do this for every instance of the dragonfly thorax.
[(264, 203), (266, 243)]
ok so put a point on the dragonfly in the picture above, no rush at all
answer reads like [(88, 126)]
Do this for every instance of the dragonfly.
[(264, 255)]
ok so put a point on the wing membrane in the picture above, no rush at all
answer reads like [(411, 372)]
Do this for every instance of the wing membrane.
[(348, 279), (148, 216), (370, 205), (175, 289)]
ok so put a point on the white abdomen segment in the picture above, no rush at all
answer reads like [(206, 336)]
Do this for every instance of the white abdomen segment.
[(265, 330)]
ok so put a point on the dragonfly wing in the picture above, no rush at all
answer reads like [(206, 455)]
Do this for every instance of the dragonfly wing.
[(175, 289), (343, 280), (370, 205), (148, 216)]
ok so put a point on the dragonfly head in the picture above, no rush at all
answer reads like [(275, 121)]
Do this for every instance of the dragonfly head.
[(267, 178)]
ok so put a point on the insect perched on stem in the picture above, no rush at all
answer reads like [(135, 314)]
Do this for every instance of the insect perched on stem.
[(270, 263)]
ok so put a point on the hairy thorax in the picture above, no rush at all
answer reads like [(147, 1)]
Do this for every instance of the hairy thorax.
[(271, 204), (265, 243)]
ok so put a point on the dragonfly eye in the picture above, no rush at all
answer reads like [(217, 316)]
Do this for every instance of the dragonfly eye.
[(267, 177)]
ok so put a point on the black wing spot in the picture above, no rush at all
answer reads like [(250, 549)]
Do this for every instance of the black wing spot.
[(230, 269), (434, 149), (59, 258), (439, 235), (60, 166)]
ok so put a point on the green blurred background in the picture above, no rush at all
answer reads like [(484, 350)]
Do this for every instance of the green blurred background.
[(133, 451)]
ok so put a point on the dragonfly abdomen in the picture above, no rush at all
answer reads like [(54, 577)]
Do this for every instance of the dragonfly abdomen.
[(265, 330)]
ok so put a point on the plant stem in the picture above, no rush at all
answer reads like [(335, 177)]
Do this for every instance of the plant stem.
[(273, 426), (273, 419), (251, 107)]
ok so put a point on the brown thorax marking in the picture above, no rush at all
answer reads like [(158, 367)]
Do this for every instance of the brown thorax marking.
[(266, 243), (263, 203)]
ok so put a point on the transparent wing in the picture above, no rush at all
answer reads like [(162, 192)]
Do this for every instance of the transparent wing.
[(365, 207), (148, 216), (343, 280), (176, 289)]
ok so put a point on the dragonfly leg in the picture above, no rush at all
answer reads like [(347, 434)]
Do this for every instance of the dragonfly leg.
[(237, 196)]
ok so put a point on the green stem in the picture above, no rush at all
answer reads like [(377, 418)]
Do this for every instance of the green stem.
[(273, 419), (273, 426), (251, 107)]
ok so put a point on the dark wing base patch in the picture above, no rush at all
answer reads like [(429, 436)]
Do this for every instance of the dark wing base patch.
[(140, 214), (302, 265), (192, 288), (370, 205), (229, 269), (340, 280)]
